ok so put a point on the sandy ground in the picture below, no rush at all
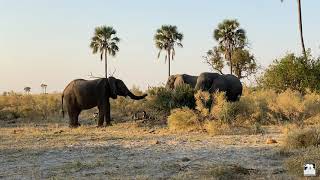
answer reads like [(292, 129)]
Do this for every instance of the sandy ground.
[(128, 151)]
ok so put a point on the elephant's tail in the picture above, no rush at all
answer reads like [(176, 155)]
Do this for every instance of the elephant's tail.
[(62, 105)]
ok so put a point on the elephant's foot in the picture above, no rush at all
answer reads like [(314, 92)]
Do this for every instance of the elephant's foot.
[(74, 125), (108, 124), (99, 126)]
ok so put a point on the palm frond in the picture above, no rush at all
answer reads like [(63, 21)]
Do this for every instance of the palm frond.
[(159, 53), (104, 39), (115, 39), (166, 37)]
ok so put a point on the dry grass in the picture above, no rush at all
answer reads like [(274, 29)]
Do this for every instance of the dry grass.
[(221, 128), (183, 119), (302, 138), (300, 146), (217, 171), (295, 163), (123, 151)]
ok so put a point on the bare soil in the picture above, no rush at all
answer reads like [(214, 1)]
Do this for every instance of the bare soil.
[(129, 151)]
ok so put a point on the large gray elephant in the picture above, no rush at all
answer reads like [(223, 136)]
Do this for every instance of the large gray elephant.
[(179, 79), (83, 94), (228, 83)]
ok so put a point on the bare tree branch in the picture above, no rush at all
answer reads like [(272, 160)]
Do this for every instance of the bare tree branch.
[(111, 74), (94, 77)]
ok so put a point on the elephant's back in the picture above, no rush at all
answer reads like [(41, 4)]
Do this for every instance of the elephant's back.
[(71, 85), (233, 80), (205, 80)]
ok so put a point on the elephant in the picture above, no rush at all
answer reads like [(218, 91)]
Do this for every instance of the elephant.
[(82, 94), (179, 79), (227, 83)]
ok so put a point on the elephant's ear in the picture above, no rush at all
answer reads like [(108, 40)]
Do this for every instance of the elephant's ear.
[(113, 87)]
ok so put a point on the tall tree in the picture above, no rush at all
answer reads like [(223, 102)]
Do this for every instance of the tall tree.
[(301, 29), (27, 89), (105, 42), (44, 88), (243, 62), (214, 59), (230, 37), (166, 38)]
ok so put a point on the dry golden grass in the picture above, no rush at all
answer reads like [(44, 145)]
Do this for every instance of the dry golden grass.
[(221, 128), (295, 163), (183, 119), (302, 138)]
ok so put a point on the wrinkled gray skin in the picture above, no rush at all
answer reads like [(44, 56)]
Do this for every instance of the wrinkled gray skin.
[(228, 83), (179, 79), (83, 94)]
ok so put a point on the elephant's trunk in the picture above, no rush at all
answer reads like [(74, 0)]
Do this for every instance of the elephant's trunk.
[(132, 96)]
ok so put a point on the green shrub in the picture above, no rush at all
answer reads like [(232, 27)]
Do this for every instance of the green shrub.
[(164, 99), (292, 72), (183, 119), (183, 95)]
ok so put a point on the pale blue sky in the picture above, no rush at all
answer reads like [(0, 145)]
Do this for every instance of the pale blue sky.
[(46, 41)]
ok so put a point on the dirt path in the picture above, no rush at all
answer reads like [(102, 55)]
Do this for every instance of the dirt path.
[(126, 151)]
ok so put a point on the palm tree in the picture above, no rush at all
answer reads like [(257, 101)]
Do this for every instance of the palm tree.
[(44, 88), (230, 37), (300, 29), (105, 42), (27, 89), (165, 39)]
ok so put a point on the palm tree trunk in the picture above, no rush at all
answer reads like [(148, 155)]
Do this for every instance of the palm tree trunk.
[(106, 63), (169, 62), (300, 28), (230, 58)]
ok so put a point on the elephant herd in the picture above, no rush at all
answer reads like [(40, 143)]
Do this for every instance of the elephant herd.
[(210, 82), (83, 94)]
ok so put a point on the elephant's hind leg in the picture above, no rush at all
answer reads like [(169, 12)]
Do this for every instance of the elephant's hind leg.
[(73, 117)]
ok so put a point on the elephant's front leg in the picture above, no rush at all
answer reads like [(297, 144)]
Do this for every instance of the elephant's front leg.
[(101, 115), (108, 115)]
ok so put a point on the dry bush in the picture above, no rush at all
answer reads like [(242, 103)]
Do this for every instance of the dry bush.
[(294, 164), (228, 117), (218, 128), (183, 119), (232, 112), (259, 101), (203, 102), (29, 106), (220, 108), (288, 106), (302, 138)]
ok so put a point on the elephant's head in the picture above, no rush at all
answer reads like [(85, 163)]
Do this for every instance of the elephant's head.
[(118, 88), (170, 82)]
